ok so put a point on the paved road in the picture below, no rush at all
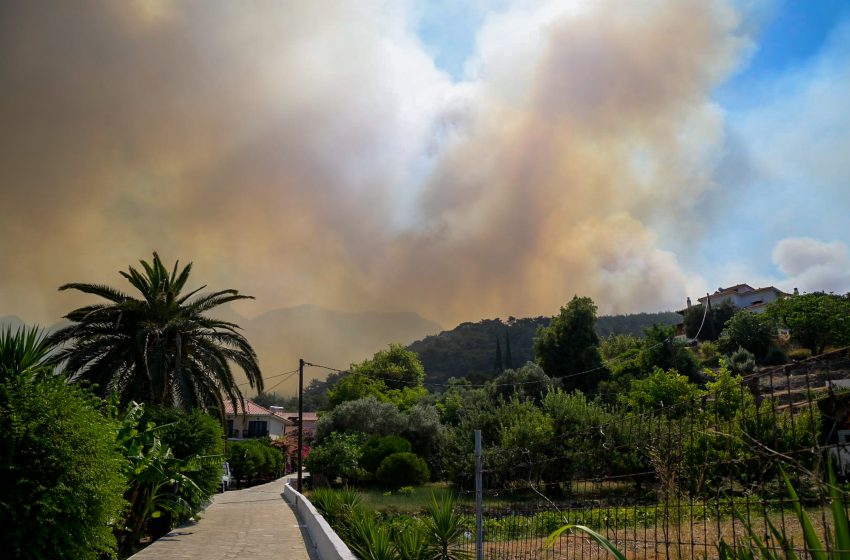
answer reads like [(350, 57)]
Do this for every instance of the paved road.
[(255, 523)]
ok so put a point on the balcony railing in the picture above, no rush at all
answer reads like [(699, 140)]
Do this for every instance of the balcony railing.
[(246, 434)]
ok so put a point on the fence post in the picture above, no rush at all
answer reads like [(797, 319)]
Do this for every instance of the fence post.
[(479, 500)]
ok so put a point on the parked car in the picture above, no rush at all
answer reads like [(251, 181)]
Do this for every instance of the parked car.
[(226, 477)]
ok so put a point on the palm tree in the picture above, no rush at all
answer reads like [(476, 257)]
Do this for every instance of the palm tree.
[(160, 349)]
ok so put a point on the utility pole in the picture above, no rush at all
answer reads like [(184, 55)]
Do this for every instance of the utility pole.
[(479, 500), (710, 319), (300, 421)]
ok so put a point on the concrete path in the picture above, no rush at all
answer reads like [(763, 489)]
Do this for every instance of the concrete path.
[(255, 523)]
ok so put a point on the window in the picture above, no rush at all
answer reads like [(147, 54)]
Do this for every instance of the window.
[(258, 428)]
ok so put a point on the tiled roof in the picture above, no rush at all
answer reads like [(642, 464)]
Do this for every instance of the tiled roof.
[(253, 409)]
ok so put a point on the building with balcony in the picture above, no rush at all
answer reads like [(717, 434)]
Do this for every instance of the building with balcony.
[(255, 421)]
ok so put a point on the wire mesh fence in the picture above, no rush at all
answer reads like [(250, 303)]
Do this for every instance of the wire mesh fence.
[(679, 479)]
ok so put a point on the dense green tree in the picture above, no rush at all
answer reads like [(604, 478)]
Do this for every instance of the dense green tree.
[(355, 387), (616, 346), (816, 320), (715, 320), (569, 347), (667, 391), (662, 350), (751, 331), (527, 382), (394, 375), (367, 416), (63, 481), (396, 366), (160, 348)]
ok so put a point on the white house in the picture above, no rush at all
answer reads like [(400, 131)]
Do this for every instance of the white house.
[(744, 296), (255, 421)]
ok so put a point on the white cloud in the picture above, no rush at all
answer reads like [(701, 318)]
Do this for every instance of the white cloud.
[(813, 265)]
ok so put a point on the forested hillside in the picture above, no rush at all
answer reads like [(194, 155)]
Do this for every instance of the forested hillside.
[(478, 350)]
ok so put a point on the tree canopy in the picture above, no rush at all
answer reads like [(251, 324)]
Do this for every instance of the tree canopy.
[(159, 348), (715, 320), (815, 320), (570, 346)]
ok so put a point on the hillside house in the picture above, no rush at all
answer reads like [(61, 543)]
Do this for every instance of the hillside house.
[(744, 296), (309, 421), (255, 421)]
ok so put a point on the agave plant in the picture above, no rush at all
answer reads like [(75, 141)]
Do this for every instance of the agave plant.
[(24, 352)]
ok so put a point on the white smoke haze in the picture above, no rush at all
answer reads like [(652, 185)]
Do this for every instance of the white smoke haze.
[(812, 265), (313, 152)]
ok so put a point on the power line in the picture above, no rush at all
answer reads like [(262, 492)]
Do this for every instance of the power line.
[(270, 377), (483, 385), (290, 374)]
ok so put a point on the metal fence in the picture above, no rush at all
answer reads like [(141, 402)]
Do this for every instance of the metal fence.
[(675, 481)]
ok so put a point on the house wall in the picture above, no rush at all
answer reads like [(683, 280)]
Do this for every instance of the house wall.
[(747, 299), (274, 425)]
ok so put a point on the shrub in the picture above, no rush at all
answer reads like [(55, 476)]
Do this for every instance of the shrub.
[(742, 362), (775, 356), (798, 354), (367, 416), (256, 458), (62, 474), (338, 456), (378, 448), (709, 354), (403, 469)]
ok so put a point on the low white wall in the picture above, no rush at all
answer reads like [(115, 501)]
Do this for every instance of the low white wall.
[(328, 544)]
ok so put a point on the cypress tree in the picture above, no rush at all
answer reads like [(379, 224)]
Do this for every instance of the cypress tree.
[(509, 360), (498, 363)]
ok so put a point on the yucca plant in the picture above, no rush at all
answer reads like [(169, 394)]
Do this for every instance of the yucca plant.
[(411, 543), (445, 530), (368, 539)]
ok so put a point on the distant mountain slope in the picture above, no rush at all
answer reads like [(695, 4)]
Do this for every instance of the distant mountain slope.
[(635, 323), (469, 350)]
